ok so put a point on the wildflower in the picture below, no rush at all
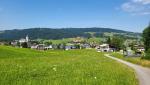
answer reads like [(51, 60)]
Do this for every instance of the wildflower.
[(54, 69)]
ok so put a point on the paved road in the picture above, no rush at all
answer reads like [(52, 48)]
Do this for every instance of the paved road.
[(143, 73)]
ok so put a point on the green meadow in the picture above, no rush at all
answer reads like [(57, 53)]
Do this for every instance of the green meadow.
[(135, 60), (57, 67)]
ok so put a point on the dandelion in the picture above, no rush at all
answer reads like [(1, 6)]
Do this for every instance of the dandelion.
[(54, 69)]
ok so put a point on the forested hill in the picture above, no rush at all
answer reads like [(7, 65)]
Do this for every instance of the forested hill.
[(48, 33)]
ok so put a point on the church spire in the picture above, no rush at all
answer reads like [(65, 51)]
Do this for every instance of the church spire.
[(27, 38)]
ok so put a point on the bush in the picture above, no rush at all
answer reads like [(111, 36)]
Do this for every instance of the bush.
[(147, 56), (24, 45)]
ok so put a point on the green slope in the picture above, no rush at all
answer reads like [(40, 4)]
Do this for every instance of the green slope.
[(47, 33), (55, 67)]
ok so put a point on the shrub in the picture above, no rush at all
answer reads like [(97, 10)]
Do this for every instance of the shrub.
[(147, 56)]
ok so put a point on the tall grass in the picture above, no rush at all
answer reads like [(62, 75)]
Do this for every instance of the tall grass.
[(135, 60), (74, 67)]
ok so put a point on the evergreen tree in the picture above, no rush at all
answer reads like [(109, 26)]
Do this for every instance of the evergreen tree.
[(146, 38)]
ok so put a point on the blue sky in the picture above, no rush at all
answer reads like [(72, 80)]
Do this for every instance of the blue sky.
[(130, 15)]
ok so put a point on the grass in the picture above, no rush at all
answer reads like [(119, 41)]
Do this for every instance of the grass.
[(97, 40), (135, 60), (66, 40), (75, 67)]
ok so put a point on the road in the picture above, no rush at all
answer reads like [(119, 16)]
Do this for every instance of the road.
[(143, 73)]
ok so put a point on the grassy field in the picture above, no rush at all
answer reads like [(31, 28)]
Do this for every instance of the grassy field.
[(60, 41), (57, 67), (66, 40), (135, 60)]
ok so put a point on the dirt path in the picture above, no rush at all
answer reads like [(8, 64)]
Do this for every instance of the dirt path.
[(143, 73)]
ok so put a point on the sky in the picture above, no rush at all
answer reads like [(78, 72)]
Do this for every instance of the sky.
[(129, 15)]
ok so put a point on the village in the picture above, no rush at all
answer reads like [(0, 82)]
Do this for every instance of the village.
[(129, 47)]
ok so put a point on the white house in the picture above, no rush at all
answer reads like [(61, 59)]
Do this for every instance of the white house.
[(104, 48), (48, 47), (34, 46)]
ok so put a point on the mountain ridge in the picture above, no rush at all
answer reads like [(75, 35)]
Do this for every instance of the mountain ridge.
[(53, 33)]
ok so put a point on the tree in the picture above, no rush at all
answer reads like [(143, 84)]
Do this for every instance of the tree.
[(48, 43), (146, 38), (117, 42), (109, 40), (24, 45), (148, 54)]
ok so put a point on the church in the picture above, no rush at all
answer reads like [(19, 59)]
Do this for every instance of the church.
[(22, 40), (25, 40)]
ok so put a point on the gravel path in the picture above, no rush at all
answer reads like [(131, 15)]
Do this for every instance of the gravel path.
[(143, 73)]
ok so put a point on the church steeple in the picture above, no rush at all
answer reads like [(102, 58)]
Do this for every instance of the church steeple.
[(27, 38)]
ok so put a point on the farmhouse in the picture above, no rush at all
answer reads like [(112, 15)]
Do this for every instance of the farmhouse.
[(48, 47), (34, 46), (139, 48), (70, 46), (86, 46), (41, 47), (103, 48)]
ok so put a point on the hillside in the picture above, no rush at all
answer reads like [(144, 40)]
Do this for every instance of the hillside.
[(75, 67), (48, 33)]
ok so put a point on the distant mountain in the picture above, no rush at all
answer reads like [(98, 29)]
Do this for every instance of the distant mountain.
[(49, 33)]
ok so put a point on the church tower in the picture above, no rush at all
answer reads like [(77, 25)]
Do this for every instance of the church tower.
[(27, 38)]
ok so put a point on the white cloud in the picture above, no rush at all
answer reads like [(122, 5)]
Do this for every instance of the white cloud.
[(142, 1), (139, 7)]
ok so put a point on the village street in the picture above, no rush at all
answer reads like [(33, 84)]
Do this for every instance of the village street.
[(143, 73)]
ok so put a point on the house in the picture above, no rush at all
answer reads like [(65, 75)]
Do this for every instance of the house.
[(78, 40), (70, 46), (67, 47), (14, 43), (103, 48), (86, 46), (48, 47), (41, 47), (54, 46), (139, 48), (128, 53), (34, 46)]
